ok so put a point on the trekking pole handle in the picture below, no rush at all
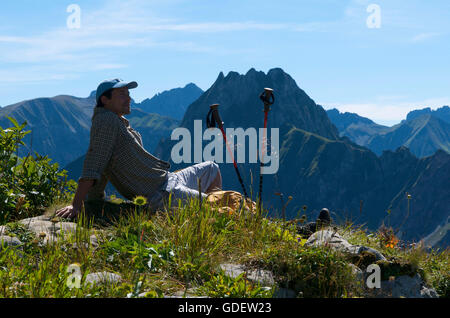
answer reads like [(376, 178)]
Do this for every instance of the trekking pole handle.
[(268, 98), (215, 114)]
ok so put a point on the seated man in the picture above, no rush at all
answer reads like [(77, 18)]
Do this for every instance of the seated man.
[(116, 154)]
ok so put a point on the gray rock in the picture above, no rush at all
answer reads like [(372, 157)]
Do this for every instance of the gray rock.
[(49, 231), (263, 277), (103, 278), (9, 241), (190, 293), (358, 249), (334, 240), (328, 238), (94, 240), (357, 271), (403, 287)]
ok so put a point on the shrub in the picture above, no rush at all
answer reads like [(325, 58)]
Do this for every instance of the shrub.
[(27, 185)]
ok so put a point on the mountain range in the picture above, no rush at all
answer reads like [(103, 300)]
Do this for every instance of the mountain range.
[(324, 156), (318, 168), (423, 132), (172, 103), (60, 125)]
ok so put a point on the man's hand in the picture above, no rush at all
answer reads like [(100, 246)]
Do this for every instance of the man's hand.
[(68, 212), (74, 209)]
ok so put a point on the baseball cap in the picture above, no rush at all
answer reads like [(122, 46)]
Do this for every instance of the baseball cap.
[(114, 83)]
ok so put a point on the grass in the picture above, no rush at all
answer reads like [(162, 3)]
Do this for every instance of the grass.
[(180, 250)]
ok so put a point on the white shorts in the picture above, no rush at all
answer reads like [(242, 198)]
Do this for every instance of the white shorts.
[(183, 184)]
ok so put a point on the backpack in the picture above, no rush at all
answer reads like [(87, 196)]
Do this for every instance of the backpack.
[(230, 202)]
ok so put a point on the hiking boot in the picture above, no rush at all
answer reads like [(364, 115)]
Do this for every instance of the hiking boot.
[(324, 218)]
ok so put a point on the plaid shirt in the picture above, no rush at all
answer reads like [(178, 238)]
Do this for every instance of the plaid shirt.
[(116, 154)]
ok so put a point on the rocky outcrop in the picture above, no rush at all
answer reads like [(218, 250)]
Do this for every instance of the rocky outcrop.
[(330, 238), (103, 278), (259, 276), (406, 286), (51, 229)]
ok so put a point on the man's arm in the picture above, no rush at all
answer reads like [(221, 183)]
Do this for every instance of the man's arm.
[(104, 132), (72, 210)]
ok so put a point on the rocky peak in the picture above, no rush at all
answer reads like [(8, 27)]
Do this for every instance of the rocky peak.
[(239, 94)]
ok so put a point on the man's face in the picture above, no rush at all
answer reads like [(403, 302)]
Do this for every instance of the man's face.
[(119, 102)]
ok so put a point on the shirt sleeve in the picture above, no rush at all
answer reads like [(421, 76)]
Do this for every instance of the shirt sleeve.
[(97, 191), (104, 132)]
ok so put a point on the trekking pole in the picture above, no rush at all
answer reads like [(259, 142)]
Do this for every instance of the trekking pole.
[(268, 99), (210, 122)]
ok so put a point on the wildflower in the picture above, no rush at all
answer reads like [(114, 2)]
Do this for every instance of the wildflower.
[(409, 196), (55, 220), (140, 200), (304, 208), (392, 242)]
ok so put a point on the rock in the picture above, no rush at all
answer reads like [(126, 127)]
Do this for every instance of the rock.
[(103, 278), (2, 230), (94, 240), (45, 228), (9, 241), (66, 227), (328, 238), (359, 249), (403, 287), (334, 240), (190, 293), (263, 277), (357, 271)]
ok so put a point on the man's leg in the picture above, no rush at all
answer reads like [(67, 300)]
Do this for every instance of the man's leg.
[(207, 172), (216, 184)]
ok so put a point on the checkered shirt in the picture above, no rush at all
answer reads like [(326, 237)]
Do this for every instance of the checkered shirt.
[(116, 154)]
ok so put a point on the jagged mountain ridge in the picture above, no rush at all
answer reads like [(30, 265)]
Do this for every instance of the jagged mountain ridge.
[(240, 92), (172, 103), (423, 135), (60, 125), (424, 131), (357, 128), (442, 113)]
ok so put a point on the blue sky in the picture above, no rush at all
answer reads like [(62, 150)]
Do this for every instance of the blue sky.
[(325, 45)]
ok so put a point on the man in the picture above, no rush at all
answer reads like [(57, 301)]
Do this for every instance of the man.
[(116, 154)]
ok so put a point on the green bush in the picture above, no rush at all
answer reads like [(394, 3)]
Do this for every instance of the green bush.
[(30, 184)]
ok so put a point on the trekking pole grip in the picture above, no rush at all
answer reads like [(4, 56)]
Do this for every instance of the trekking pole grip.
[(215, 114), (268, 98)]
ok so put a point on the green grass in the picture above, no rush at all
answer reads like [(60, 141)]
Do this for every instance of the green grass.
[(180, 249)]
